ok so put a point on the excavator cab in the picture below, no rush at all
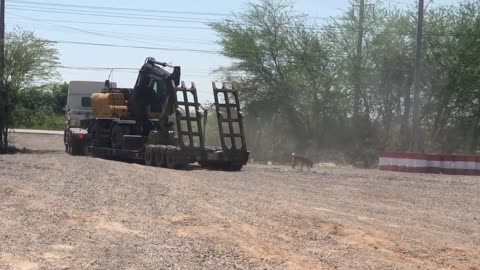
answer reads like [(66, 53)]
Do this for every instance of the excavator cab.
[(152, 94)]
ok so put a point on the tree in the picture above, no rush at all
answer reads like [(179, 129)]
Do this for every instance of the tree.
[(452, 108), (41, 107), (285, 70), (29, 61)]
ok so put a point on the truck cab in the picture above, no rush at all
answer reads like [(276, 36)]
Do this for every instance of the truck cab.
[(78, 108)]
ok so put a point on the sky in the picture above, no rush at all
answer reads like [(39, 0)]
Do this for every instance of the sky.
[(177, 25)]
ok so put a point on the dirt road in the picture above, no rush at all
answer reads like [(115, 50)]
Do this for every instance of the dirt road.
[(63, 212)]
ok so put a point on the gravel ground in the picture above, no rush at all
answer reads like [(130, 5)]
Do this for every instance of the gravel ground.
[(64, 212)]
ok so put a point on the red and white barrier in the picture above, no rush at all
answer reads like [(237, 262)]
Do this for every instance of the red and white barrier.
[(430, 163)]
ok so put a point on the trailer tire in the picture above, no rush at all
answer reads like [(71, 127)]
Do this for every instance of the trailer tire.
[(160, 156), (116, 135), (170, 158), (228, 166), (233, 167), (74, 149), (69, 149), (149, 156)]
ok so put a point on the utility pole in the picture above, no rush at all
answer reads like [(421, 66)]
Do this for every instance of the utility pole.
[(415, 136), (3, 114), (358, 65)]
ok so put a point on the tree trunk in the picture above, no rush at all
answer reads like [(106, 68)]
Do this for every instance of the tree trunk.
[(1, 131), (6, 117), (473, 145), (2, 121)]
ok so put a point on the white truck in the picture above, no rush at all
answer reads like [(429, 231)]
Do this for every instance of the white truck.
[(78, 108)]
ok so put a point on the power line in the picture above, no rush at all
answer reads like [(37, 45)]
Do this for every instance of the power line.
[(108, 15), (338, 29), (121, 9), (105, 35), (134, 10), (136, 17), (313, 28), (125, 24), (132, 47), (128, 16), (115, 45), (124, 69), (97, 68), (128, 34), (89, 32), (103, 13)]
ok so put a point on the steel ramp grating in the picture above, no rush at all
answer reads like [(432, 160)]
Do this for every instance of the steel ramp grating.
[(230, 118), (188, 118)]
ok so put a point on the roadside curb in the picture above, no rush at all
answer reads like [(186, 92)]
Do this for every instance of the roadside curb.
[(34, 131)]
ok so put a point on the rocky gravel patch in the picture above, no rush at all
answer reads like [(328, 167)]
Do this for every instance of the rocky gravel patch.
[(64, 212)]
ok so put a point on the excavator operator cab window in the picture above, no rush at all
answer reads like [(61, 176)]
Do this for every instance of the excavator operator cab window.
[(160, 87)]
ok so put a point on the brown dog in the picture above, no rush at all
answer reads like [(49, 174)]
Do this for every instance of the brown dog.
[(303, 161)]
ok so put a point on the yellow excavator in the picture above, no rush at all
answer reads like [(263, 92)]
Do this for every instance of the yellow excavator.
[(159, 121)]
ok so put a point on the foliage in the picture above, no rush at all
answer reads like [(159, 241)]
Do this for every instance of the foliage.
[(42, 119), (41, 107), (29, 61)]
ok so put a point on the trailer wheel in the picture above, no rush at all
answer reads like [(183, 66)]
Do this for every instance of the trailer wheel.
[(149, 157), (233, 167), (66, 140), (69, 149), (116, 135), (228, 166), (160, 156), (170, 158), (74, 149)]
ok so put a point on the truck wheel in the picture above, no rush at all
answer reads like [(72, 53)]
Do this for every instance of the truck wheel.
[(149, 157), (77, 149), (116, 136), (170, 158), (68, 147), (66, 139), (100, 135), (160, 156)]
